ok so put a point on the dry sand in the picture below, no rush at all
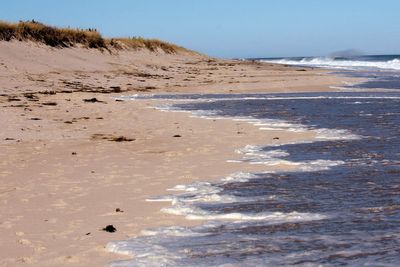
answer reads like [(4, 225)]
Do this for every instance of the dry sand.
[(63, 172)]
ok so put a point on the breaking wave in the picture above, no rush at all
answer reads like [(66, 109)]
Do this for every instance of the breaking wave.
[(332, 63)]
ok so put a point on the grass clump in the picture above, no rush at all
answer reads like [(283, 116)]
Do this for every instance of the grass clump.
[(51, 36), (89, 38)]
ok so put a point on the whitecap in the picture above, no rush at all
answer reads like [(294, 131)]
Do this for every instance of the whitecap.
[(326, 62)]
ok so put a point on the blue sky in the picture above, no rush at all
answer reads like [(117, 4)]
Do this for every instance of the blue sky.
[(231, 28)]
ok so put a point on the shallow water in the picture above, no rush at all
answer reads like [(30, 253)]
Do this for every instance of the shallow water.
[(341, 206), (374, 79)]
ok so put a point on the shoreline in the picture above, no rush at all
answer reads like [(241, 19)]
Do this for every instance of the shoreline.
[(66, 170), (178, 162)]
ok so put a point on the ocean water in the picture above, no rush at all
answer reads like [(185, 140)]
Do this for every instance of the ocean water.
[(367, 62), (340, 206), (381, 71)]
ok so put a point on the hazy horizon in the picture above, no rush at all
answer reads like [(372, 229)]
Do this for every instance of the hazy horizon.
[(239, 29)]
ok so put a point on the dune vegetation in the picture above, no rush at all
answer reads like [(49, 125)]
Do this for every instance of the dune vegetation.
[(88, 38), (137, 43)]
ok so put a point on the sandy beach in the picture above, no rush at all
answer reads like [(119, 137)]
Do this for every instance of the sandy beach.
[(74, 159)]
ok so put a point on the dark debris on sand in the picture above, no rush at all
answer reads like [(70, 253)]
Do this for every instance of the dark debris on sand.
[(110, 228), (110, 137), (92, 100), (121, 139), (50, 103)]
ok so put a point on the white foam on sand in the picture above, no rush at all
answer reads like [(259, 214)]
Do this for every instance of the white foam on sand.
[(204, 192), (271, 217), (192, 213), (324, 134), (257, 155), (335, 134)]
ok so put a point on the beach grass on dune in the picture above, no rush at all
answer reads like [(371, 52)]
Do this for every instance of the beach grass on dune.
[(142, 43), (52, 36), (89, 38)]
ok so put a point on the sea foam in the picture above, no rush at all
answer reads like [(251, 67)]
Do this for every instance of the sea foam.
[(258, 155), (326, 62)]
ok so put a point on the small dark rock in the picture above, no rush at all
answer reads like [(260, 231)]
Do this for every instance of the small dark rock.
[(36, 119), (87, 233), (9, 138), (110, 228), (116, 89), (177, 135), (118, 210), (92, 100), (275, 138), (49, 103), (73, 153)]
